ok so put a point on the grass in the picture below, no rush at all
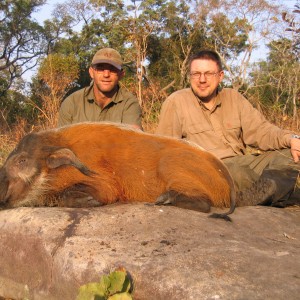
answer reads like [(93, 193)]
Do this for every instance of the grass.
[(7, 144)]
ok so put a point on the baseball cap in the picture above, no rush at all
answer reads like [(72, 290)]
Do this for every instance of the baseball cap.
[(108, 56)]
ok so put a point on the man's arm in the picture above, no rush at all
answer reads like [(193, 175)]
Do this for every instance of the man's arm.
[(295, 147), (65, 116), (169, 124), (259, 132), (132, 114), (266, 135)]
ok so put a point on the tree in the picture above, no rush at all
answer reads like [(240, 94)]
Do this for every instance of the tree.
[(155, 39), (142, 20), (58, 74), (21, 38), (293, 26), (236, 27), (277, 81), (182, 35)]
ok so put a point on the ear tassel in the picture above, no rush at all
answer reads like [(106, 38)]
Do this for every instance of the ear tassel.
[(64, 157)]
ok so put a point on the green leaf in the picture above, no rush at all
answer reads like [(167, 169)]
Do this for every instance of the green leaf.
[(114, 286), (117, 280), (90, 290), (105, 284)]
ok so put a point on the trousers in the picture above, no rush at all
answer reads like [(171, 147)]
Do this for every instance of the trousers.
[(279, 164)]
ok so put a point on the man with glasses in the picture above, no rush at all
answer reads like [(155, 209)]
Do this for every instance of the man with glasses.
[(104, 99), (224, 123)]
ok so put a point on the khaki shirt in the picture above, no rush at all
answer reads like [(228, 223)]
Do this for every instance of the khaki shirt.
[(81, 107), (225, 130)]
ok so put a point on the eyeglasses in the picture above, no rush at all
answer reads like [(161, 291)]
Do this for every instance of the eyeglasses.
[(100, 69), (207, 75)]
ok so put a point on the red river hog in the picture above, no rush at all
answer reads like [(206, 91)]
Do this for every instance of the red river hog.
[(114, 163)]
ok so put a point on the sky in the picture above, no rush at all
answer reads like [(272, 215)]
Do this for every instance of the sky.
[(44, 12)]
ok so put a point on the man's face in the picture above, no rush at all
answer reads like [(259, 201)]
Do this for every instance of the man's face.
[(205, 77), (105, 76)]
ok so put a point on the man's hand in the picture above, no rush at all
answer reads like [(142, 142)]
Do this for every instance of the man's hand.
[(295, 149)]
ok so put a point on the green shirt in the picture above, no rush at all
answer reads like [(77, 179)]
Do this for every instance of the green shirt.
[(81, 107)]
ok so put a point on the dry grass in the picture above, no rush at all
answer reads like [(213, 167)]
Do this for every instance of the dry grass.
[(9, 139), (276, 116), (283, 121), (7, 144)]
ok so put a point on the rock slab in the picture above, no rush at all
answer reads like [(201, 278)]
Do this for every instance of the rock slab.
[(171, 253)]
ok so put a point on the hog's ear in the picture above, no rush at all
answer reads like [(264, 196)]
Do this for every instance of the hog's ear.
[(65, 156)]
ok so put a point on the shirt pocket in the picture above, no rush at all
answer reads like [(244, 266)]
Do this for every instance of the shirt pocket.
[(232, 124), (233, 129), (203, 135), (199, 128)]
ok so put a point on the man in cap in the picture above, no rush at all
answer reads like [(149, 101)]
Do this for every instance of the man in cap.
[(103, 99)]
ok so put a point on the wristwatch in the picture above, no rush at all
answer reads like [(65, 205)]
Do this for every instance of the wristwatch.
[(295, 136)]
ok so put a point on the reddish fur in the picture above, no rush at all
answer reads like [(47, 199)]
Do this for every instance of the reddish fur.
[(129, 165), (168, 164)]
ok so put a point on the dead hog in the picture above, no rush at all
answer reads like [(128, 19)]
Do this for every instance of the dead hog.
[(115, 163)]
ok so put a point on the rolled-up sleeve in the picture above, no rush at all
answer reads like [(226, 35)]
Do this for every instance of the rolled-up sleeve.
[(259, 132)]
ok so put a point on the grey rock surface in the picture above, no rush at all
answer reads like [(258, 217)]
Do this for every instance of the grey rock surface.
[(171, 253)]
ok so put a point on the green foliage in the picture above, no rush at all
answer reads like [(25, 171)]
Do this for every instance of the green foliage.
[(21, 38), (178, 35), (59, 68), (277, 80), (230, 35), (57, 75), (115, 286), (4, 84), (14, 106)]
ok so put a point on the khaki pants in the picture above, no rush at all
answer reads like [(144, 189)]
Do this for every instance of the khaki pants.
[(246, 169)]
